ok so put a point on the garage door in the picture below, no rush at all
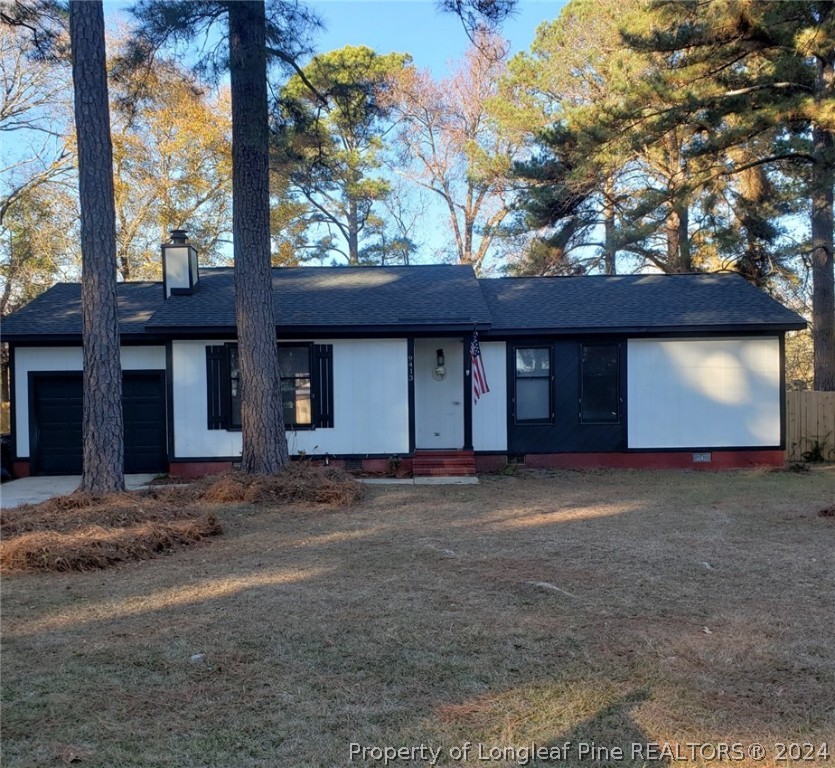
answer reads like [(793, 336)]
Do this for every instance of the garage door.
[(55, 407)]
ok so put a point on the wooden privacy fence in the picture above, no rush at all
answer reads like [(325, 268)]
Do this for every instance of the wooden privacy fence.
[(810, 422)]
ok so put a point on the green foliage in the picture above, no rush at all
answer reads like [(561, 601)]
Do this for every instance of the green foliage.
[(757, 81), (625, 122), (174, 25), (819, 451), (328, 137)]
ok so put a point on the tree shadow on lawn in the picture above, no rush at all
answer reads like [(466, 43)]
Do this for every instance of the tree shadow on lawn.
[(608, 739), (324, 627)]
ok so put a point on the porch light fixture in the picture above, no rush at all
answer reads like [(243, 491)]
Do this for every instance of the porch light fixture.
[(440, 366)]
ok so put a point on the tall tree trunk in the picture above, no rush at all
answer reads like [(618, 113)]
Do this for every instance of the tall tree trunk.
[(684, 253), (672, 232), (353, 233), (609, 249), (823, 271), (679, 256), (262, 418), (7, 288), (103, 452)]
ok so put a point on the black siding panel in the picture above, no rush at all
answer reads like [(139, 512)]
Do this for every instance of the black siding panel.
[(567, 434)]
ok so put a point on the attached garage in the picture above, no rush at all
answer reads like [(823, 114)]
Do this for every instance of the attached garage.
[(55, 404)]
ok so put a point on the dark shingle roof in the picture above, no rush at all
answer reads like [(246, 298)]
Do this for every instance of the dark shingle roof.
[(598, 303), (437, 295), (427, 297), (57, 312)]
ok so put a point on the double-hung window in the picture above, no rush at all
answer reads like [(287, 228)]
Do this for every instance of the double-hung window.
[(533, 395), (306, 386)]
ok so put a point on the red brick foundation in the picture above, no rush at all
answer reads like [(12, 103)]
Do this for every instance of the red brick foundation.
[(191, 469), (496, 463), (657, 460), (20, 468), (490, 463)]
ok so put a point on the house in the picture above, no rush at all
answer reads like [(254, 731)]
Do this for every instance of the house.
[(592, 371)]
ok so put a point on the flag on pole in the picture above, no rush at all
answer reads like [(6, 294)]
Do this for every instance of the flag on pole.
[(479, 377)]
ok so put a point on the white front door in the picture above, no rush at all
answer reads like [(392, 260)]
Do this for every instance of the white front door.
[(439, 397)]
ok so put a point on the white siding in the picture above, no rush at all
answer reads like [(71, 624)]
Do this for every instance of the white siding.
[(370, 403), (490, 413), (33, 359), (703, 393)]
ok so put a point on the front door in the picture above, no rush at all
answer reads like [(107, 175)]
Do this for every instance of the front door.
[(439, 394)]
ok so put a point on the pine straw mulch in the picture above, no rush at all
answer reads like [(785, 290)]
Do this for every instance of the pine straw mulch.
[(299, 483), (80, 532)]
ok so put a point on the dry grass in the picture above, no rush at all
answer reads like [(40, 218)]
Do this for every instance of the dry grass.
[(80, 532), (616, 607)]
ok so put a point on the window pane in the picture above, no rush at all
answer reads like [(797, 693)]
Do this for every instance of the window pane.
[(235, 415), (600, 360), (234, 389), (533, 361), (294, 361), (600, 402), (533, 399), (600, 399), (295, 396)]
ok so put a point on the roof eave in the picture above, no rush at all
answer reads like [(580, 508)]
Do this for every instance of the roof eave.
[(191, 332), (131, 337), (649, 330)]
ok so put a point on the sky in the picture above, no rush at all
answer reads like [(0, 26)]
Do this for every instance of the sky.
[(433, 39), (418, 28)]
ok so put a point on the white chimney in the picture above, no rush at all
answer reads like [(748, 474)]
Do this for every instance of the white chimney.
[(179, 264)]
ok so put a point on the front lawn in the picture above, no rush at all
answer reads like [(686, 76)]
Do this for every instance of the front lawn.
[(605, 607)]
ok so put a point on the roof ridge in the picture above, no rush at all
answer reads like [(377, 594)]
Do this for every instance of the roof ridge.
[(721, 273)]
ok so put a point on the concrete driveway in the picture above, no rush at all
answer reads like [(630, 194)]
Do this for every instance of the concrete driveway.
[(31, 490)]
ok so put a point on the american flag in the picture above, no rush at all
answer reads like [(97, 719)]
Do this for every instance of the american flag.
[(480, 386)]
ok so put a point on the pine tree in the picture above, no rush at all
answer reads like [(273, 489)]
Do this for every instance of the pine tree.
[(745, 71), (328, 137), (250, 37), (102, 426)]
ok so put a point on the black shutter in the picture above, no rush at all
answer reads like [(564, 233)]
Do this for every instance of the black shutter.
[(217, 387), (322, 383)]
